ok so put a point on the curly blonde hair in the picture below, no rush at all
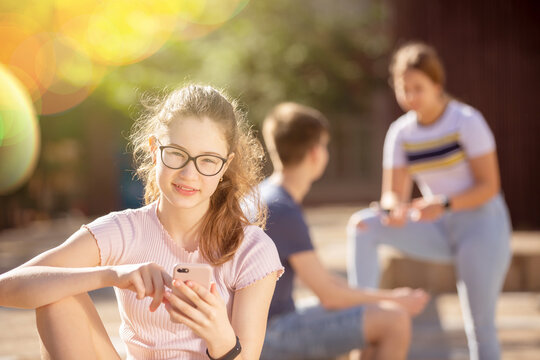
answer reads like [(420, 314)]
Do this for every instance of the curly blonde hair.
[(222, 228)]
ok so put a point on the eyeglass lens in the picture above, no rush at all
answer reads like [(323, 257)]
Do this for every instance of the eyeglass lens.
[(206, 164)]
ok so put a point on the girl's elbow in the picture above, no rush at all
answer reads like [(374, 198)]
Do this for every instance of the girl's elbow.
[(7, 292), (13, 294)]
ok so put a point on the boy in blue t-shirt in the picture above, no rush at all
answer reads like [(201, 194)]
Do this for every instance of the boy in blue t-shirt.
[(378, 321)]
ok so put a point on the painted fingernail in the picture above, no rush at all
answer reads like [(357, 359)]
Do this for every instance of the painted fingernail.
[(189, 283)]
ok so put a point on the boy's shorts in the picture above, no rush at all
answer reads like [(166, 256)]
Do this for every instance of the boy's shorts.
[(314, 333)]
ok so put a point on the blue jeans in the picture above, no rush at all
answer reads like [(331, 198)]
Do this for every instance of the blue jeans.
[(476, 241), (313, 333)]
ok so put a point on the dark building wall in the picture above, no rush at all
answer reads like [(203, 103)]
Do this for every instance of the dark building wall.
[(491, 52)]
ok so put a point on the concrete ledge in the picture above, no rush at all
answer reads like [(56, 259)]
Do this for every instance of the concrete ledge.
[(523, 274)]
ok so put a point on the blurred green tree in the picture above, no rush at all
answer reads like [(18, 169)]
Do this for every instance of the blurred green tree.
[(326, 54), (330, 55)]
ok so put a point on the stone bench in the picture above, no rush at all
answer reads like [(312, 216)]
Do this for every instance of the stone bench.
[(523, 274)]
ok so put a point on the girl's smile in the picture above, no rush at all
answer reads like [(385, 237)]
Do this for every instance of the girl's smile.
[(185, 190)]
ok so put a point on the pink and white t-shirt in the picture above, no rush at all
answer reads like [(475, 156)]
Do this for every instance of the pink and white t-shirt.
[(137, 236)]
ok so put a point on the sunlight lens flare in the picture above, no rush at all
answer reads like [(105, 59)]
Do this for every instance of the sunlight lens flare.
[(60, 49), (75, 75), (19, 133), (122, 32)]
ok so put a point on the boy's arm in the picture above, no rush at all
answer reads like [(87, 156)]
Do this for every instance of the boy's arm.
[(334, 293)]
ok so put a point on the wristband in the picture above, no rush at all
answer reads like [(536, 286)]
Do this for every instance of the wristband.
[(446, 203), (237, 349)]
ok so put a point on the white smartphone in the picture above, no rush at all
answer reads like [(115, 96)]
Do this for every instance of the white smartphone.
[(199, 273)]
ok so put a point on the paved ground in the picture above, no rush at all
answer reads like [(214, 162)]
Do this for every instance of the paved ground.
[(438, 332)]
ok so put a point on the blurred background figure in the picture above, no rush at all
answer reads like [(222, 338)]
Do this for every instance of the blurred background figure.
[(347, 318), (447, 148)]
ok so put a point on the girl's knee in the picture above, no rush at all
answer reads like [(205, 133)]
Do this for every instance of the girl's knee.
[(73, 309), (72, 325), (55, 307), (81, 301), (362, 220)]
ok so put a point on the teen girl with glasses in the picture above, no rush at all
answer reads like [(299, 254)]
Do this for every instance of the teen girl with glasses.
[(198, 160)]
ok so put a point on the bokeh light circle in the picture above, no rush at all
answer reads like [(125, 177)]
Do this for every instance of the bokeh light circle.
[(74, 78), (122, 32), (60, 49), (19, 133)]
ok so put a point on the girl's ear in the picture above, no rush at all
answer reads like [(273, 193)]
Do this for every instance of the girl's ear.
[(229, 160)]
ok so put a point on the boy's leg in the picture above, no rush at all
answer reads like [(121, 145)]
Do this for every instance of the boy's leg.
[(421, 240), (71, 329), (482, 259), (315, 333)]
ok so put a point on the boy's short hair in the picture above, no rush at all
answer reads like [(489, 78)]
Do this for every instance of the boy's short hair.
[(290, 130)]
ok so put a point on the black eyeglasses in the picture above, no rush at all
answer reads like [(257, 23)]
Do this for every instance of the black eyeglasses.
[(175, 158)]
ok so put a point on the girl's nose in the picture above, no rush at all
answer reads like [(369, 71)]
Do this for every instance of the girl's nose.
[(189, 170)]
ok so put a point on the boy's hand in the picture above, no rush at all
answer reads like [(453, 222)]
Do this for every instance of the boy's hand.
[(412, 300)]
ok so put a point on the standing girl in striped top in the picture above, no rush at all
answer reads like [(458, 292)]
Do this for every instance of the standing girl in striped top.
[(447, 148), (198, 160)]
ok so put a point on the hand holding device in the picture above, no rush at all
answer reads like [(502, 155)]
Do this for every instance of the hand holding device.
[(199, 273)]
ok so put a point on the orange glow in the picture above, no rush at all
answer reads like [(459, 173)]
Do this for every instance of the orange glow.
[(60, 49)]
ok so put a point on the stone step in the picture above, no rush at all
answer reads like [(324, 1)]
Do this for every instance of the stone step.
[(328, 229), (523, 274)]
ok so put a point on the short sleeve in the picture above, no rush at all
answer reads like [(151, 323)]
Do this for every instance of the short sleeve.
[(256, 258), (393, 154), (288, 230), (475, 135), (110, 232)]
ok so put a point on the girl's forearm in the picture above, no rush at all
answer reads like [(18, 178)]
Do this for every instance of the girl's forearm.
[(30, 287), (476, 196)]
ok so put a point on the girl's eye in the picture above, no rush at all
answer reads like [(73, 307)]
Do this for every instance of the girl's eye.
[(176, 154), (209, 160)]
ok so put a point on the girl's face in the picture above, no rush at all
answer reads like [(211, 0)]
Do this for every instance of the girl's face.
[(187, 188), (416, 91)]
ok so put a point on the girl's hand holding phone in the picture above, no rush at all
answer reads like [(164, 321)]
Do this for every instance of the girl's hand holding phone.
[(206, 315), (147, 279)]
